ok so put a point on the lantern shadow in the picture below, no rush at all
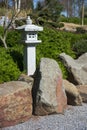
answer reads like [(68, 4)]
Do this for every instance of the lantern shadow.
[(35, 88)]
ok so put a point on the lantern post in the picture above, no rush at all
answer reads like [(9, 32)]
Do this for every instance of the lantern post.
[(30, 40)]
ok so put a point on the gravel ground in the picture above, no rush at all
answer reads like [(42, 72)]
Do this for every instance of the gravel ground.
[(74, 118)]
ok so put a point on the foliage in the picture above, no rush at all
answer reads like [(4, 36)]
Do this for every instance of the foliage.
[(53, 43), (51, 24), (70, 20), (75, 20), (11, 64), (13, 38), (41, 21), (54, 9), (81, 30), (39, 5), (1, 33), (85, 11), (49, 10), (20, 22), (17, 55), (80, 47), (60, 25), (8, 68), (1, 30), (2, 11)]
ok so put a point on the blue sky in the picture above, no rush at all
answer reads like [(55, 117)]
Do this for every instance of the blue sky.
[(35, 2)]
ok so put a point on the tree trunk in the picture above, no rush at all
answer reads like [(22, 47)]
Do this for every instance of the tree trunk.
[(4, 41), (82, 12), (15, 4), (67, 8), (19, 5)]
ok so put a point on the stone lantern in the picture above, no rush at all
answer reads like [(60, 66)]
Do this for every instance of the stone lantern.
[(30, 40)]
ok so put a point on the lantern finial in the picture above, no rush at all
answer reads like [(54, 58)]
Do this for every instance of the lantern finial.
[(29, 21)]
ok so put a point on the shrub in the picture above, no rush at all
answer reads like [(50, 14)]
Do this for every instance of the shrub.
[(41, 21), (80, 30), (8, 68), (17, 55), (75, 20), (1, 30), (1, 33), (70, 20), (80, 47), (13, 38), (53, 24), (20, 22), (60, 25)]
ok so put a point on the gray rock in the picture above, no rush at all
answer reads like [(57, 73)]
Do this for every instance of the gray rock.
[(73, 95), (78, 67), (51, 97), (83, 92)]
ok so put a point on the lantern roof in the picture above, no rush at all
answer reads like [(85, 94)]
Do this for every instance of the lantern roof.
[(29, 26)]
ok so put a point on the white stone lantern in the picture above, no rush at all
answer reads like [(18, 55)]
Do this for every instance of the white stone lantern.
[(30, 39)]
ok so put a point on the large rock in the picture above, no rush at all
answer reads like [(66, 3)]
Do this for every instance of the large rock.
[(69, 27), (83, 92), (50, 94), (15, 103), (73, 95), (78, 67)]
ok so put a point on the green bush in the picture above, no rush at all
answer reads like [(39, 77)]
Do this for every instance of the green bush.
[(13, 38), (70, 20), (17, 55), (41, 21), (20, 22), (1, 33), (85, 21), (60, 25), (75, 20), (11, 64), (80, 47), (80, 30), (1, 30), (52, 24), (8, 68)]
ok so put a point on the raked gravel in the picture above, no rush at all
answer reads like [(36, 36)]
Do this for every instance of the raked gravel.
[(74, 118)]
